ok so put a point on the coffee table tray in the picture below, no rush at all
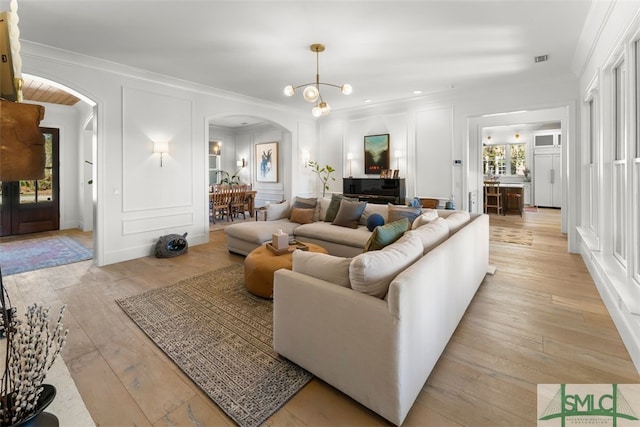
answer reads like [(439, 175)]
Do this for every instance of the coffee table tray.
[(293, 245)]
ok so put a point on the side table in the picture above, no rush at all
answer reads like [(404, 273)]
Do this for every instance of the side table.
[(261, 211)]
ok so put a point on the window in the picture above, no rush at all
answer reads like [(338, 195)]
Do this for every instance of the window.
[(619, 112), (41, 190), (619, 169), (592, 138), (518, 158), (504, 159), (636, 46), (494, 159)]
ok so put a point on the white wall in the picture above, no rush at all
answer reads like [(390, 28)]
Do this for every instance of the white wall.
[(608, 37), (136, 200), (435, 130)]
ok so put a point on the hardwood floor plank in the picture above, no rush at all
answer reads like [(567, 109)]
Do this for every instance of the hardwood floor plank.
[(104, 395)]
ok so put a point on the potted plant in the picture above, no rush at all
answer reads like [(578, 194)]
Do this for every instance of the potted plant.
[(32, 345), (230, 179), (324, 174)]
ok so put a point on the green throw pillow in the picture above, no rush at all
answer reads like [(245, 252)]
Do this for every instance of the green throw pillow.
[(334, 205), (384, 235)]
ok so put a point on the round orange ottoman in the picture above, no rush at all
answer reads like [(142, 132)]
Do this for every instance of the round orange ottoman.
[(260, 265)]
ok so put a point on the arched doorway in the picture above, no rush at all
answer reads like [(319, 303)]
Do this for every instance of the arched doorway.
[(69, 127)]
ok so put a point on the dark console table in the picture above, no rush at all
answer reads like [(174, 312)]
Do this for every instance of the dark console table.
[(375, 190)]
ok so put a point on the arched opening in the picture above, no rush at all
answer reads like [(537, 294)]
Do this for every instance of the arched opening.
[(72, 116), (231, 144)]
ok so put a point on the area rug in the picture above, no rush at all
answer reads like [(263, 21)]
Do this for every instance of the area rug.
[(221, 336), (34, 254), (511, 235)]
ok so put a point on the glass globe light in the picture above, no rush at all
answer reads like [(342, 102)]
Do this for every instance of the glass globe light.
[(346, 89), (289, 90), (324, 108), (316, 111), (311, 93)]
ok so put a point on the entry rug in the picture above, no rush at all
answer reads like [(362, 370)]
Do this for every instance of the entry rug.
[(511, 235), (221, 336), (35, 254)]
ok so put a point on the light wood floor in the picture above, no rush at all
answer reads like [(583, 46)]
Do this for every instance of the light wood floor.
[(539, 319)]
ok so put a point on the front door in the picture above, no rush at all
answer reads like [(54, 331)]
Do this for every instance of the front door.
[(33, 206)]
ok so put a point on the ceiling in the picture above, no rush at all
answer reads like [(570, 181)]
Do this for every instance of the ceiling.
[(385, 49)]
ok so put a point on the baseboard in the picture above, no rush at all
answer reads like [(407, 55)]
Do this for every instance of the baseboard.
[(627, 323)]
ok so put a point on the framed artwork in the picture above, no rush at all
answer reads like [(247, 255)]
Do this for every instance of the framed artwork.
[(267, 162), (376, 154)]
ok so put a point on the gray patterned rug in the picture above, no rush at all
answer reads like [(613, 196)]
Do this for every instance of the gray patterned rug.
[(221, 336)]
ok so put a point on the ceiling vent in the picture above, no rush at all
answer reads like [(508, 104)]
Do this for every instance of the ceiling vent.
[(541, 58)]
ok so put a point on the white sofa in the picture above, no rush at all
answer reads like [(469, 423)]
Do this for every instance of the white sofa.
[(380, 351)]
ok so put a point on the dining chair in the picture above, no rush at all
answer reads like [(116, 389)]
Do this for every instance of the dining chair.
[(238, 203), (220, 201)]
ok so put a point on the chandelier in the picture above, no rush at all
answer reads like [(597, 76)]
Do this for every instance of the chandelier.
[(311, 91)]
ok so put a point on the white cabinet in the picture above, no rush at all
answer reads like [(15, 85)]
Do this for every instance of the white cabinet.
[(547, 139), (547, 180), (526, 189)]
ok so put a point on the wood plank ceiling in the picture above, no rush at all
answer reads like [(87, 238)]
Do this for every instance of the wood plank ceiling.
[(37, 91)]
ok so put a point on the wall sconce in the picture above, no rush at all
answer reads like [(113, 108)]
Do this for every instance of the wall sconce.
[(517, 136), (305, 158), (216, 148), (350, 158), (397, 154), (241, 163), (161, 147)]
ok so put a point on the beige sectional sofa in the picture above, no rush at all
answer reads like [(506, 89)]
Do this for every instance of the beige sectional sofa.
[(244, 237), (374, 326)]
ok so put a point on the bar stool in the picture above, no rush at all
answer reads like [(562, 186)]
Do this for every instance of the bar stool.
[(514, 199), (492, 196)]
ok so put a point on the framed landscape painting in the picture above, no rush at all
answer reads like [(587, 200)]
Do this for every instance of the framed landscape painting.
[(376, 154), (267, 162)]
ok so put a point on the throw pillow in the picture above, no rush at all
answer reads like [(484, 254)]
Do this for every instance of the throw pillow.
[(457, 220), (330, 268), (324, 205), (427, 216), (372, 272), (278, 210), (385, 235), (305, 202), (397, 212), (374, 220), (302, 216), (349, 213), (432, 234), (372, 208), (334, 206)]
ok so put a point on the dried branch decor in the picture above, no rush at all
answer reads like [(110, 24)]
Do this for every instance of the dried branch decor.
[(32, 346)]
